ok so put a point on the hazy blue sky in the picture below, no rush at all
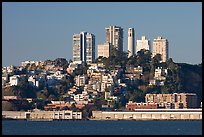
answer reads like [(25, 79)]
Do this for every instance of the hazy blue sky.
[(41, 31)]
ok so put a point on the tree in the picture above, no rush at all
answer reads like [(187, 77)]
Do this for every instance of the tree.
[(156, 60), (8, 106), (73, 107), (61, 62), (52, 97), (116, 57), (24, 105), (143, 58), (41, 95)]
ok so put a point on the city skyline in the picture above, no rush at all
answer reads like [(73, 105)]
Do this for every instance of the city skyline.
[(42, 31)]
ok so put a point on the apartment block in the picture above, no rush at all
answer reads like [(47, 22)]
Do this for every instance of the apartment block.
[(142, 44), (114, 35), (179, 100), (104, 50), (160, 46), (131, 106), (84, 47)]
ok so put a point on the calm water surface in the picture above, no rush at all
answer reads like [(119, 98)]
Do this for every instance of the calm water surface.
[(14, 127)]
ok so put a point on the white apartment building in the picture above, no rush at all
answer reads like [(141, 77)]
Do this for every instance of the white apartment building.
[(142, 44), (33, 81), (160, 73), (84, 47), (37, 63), (14, 80), (104, 50), (160, 46), (78, 97), (80, 80)]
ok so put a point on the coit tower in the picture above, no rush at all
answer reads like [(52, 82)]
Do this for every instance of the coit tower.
[(131, 41)]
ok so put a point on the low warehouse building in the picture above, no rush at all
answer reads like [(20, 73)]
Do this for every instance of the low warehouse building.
[(150, 114)]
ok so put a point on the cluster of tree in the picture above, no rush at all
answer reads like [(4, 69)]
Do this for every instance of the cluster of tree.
[(61, 62), (116, 58)]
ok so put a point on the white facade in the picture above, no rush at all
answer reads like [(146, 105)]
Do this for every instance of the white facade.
[(79, 97), (131, 42), (90, 48), (160, 46), (104, 50), (80, 80), (142, 44), (77, 48), (14, 80), (150, 114), (84, 47), (37, 63), (33, 81)]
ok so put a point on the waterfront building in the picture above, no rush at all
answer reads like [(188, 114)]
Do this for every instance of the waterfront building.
[(149, 114), (131, 106), (40, 115), (131, 42), (84, 47), (104, 50), (160, 46), (142, 44), (114, 35), (179, 100)]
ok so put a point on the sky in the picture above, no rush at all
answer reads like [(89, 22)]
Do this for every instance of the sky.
[(41, 31)]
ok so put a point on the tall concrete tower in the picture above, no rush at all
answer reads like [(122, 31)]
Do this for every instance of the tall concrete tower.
[(114, 35), (84, 47), (131, 42)]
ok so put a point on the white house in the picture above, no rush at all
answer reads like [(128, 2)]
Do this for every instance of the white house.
[(14, 80)]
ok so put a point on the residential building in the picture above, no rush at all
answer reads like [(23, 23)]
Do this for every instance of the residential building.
[(90, 48), (179, 100), (114, 35), (33, 81), (131, 106), (142, 44), (77, 47), (104, 50), (84, 47), (14, 80), (156, 82), (131, 42), (81, 80), (160, 74), (160, 46)]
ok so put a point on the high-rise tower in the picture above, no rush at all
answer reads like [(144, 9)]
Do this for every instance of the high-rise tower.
[(114, 35), (84, 47), (131, 42), (160, 46), (142, 44), (90, 48)]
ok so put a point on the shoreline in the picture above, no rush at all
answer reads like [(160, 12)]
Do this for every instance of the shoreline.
[(12, 119)]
